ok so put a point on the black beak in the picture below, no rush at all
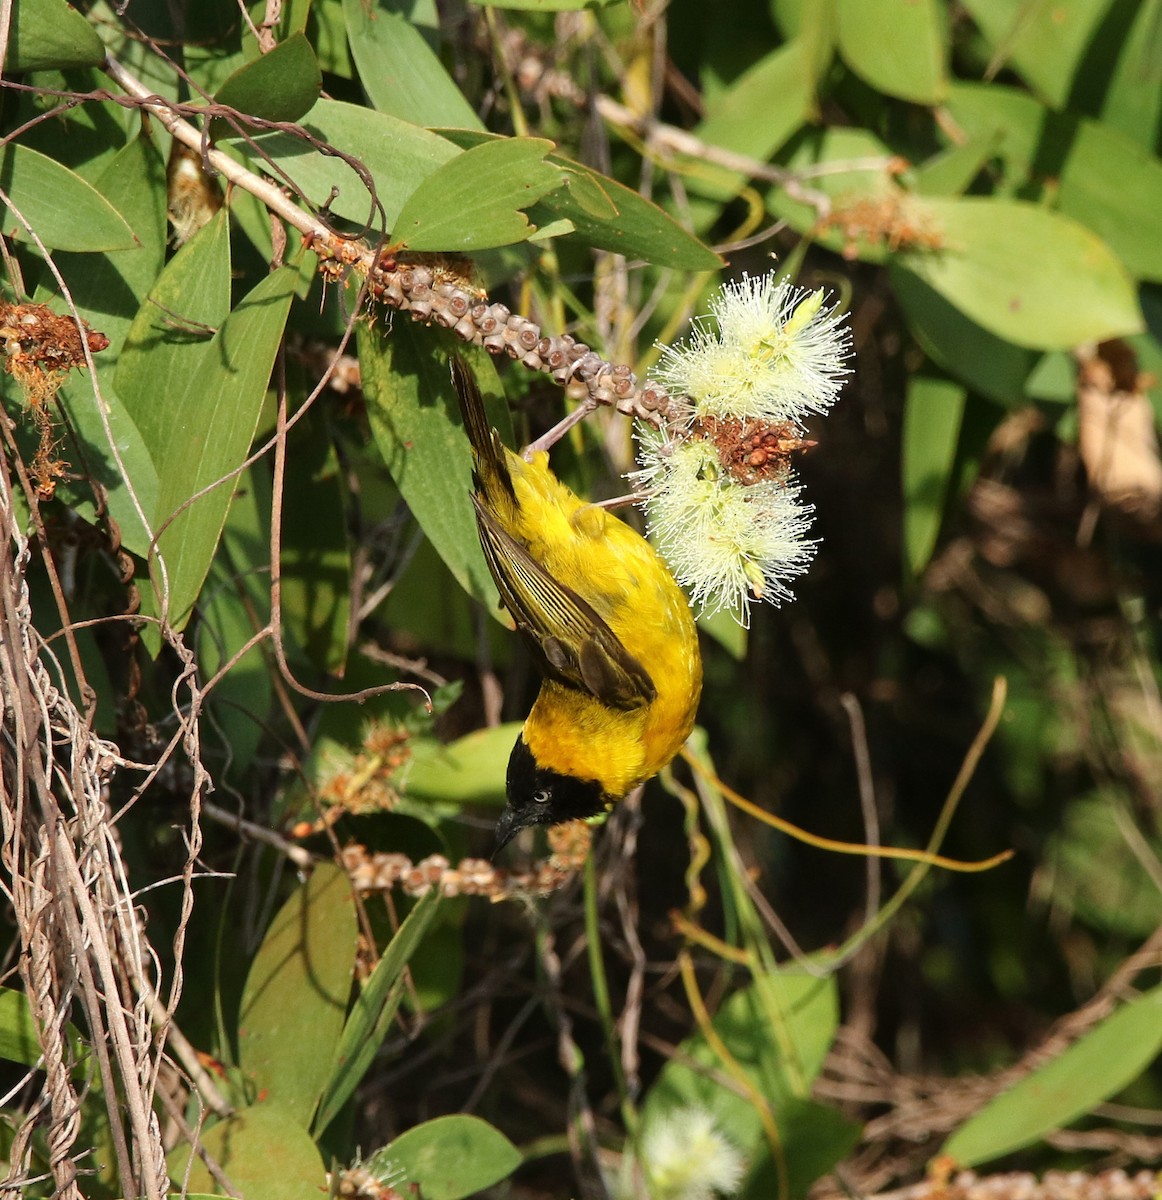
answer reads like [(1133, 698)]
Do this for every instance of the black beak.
[(506, 829)]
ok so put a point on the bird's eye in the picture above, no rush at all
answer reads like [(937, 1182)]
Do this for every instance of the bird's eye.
[(542, 797)]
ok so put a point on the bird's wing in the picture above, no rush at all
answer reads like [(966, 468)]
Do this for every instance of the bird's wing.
[(577, 646)]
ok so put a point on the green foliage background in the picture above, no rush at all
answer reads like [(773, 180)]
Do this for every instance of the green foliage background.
[(980, 182)]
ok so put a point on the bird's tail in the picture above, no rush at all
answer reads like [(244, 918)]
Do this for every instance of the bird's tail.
[(490, 470)]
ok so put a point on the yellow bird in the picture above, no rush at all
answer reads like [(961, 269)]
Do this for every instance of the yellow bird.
[(613, 632)]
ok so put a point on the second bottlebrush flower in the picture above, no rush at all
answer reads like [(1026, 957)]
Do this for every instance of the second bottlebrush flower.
[(719, 491)]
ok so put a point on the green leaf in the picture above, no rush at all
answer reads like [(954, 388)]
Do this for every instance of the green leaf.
[(316, 557), (1045, 43), (264, 1151), (984, 362), (108, 290), (170, 336), (1031, 277), (410, 404), (295, 999), (278, 86), (609, 216), (400, 72), (1096, 1067), (474, 201), (50, 33), (933, 410), (1133, 98), (813, 1138), (399, 157), (853, 170), (1091, 871), (754, 116), (448, 1158), (545, 5), (65, 212), (1089, 171), (211, 435), (469, 770), (373, 1012), (695, 1075), (18, 1040), (897, 46)]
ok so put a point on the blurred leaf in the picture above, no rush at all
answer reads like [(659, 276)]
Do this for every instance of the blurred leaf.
[(813, 1138), (1091, 871), (1133, 98), (410, 404), (986, 363), (1091, 172), (853, 175), (1054, 378), (263, 1150), (400, 72), (18, 1040), (170, 336), (755, 116), (211, 434), (108, 289), (545, 5), (1097, 1066), (65, 212), (814, 24), (448, 1158), (373, 1012), (932, 412), (1045, 43), (398, 155), (897, 46), (295, 1000), (609, 216), (50, 33), (726, 631), (951, 172), (468, 770), (280, 85), (316, 557), (693, 1076), (234, 603), (1031, 277), (474, 201)]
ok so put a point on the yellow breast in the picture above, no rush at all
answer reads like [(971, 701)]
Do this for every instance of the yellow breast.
[(621, 575)]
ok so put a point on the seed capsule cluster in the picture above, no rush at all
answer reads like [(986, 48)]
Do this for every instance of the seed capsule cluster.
[(385, 872), (428, 291)]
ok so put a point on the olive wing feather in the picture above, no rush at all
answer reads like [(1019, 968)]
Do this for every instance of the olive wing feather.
[(575, 643)]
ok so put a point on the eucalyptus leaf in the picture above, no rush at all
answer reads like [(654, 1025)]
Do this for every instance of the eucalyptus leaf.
[(609, 216), (278, 86), (447, 1158), (897, 46), (933, 410), (474, 202), (398, 156), (64, 211), (400, 71), (410, 404), (50, 33), (373, 1011), (210, 435), (264, 1152), (1032, 277), (294, 1003), (1097, 1066)]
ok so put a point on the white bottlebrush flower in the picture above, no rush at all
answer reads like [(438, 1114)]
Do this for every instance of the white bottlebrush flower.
[(769, 351), (717, 484), (685, 1156), (726, 542)]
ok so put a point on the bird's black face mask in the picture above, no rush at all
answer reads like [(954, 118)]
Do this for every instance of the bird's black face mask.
[(538, 796)]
